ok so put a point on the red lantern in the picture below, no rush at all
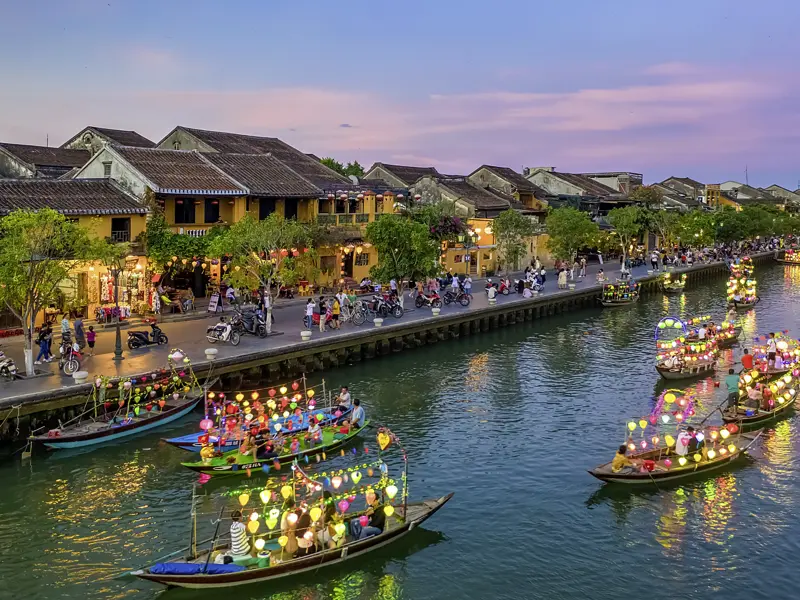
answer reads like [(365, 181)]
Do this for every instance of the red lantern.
[(230, 409), (161, 403), (732, 427), (121, 403), (295, 386), (284, 252), (271, 393), (106, 405), (148, 407)]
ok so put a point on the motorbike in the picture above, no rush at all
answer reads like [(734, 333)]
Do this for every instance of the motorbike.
[(315, 319), (462, 298), (70, 355), (504, 287), (433, 300), (253, 323), (393, 304), (140, 339), (223, 332), (8, 368)]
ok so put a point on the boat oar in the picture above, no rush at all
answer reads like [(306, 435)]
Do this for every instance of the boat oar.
[(214, 539)]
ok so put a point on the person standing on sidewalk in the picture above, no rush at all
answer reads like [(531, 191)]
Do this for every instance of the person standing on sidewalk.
[(583, 267), (335, 309), (90, 338), (575, 267), (468, 286), (309, 313), (65, 329), (80, 334), (323, 313)]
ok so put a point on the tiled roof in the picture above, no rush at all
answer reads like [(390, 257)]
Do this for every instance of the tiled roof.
[(237, 143), (179, 171), (263, 175), (70, 197), (514, 178), (591, 186), (688, 181), (125, 138), (408, 175), (43, 156), (480, 198)]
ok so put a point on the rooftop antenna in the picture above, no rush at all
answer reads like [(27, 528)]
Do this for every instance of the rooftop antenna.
[(47, 140), (746, 179)]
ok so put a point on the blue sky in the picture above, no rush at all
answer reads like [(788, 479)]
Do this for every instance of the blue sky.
[(702, 88)]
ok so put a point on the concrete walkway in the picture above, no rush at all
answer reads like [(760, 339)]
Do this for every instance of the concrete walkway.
[(190, 337)]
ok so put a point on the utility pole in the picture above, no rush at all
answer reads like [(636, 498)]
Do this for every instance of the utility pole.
[(746, 179)]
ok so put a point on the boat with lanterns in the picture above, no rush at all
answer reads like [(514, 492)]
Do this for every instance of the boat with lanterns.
[(121, 407), (619, 293), (664, 450), (286, 448), (679, 358), (299, 524), (725, 335), (791, 257), (763, 398), (742, 285), (287, 407), (673, 285)]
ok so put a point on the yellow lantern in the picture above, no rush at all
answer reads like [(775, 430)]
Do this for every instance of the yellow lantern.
[(642, 423), (252, 527), (272, 522), (239, 397), (731, 448), (669, 398), (282, 541), (283, 390), (340, 529), (724, 433), (391, 491), (754, 374), (286, 491), (315, 513), (697, 457), (632, 426), (389, 510), (711, 454), (669, 440), (265, 496), (244, 499), (254, 396), (310, 393)]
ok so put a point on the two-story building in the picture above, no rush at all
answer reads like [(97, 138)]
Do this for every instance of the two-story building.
[(622, 181), (93, 139), (401, 176), (690, 188), (108, 211), (511, 183), (792, 198)]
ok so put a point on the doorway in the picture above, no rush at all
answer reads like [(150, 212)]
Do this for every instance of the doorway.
[(347, 264)]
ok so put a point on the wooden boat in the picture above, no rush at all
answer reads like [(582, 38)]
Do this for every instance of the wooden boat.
[(698, 369), (663, 474), (235, 463), (190, 441), (620, 302), (194, 573), (722, 339), (749, 418), (108, 428), (742, 305)]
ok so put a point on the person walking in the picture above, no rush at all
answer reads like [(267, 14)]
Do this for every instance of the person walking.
[(583, 267), (310, 313), (323, 312), (44, 346), (80, 334), (575, 267), (468, 287), (90, 339)]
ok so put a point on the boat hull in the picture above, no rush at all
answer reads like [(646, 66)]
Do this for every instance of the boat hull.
[(742, 305), (114, 433), (297, 566), (673, 290), (699, 371), (189, 442), (671, 476), (615, 303), (759, 419)]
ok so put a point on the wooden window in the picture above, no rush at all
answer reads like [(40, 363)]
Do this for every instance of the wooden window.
[(212, 210), (184, 211), (362, 260)]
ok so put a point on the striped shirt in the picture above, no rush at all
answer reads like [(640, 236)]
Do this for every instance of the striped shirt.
[(239, 544)]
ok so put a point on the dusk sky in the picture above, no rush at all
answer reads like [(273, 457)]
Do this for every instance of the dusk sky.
[(700, 88)]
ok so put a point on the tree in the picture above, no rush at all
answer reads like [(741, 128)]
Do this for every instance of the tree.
[(511, 230), (570, 230), (352, 168), (38, 250), (406, 250), (732, 225), (627, 223), (161, 243), (696, 228), (266, 253), (647, 195), (664, 223), (442, 224)]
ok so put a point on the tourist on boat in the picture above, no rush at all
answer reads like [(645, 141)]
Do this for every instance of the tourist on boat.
[(747, 360), (754, 396), (672, 362), (240, 546), (696, 440), (731, 316), (376, 523), (701, 332), (314, 433), (327, 532), (344, 399), (359, 417), (601, 276), (732, 383), (682, 444), (737, 298), (288, 508), (622, 464), (771, 350), (267, 451), (294, 447), (305, 534)]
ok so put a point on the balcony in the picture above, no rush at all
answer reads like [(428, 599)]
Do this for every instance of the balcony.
[(345, 219), (120, 236), (191, 230)]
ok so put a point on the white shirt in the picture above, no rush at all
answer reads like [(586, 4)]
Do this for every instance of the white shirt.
[(344, 399), (310, 309), (393, 284), (456, 284), (527, 293), (468, 282), (682, 445), (358, 417), (267, 301), (771, 346), (230, 293), (701, 333)]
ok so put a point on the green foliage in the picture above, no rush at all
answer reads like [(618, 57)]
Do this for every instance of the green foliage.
[(405, 249), (647, 195), (352, 168), (261, 251), (161, 243), (696, 228), (663, 222), (570, 230), (627, 223), (440, 221), (38, 250), (511, 230)]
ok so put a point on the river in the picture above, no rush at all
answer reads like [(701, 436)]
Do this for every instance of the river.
[(510, 421)]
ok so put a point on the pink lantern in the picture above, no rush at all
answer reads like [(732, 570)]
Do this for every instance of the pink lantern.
[(668, 463), (337, 414), (343, 505), (175, 396), (364, 520), (127, 385), (206, 424)]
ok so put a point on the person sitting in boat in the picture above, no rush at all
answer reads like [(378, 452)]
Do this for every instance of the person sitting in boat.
[(673, 363), (376, 519), (767, 402), (737, 298), (682, 444), (601, 276), (754, 396), (314, 433), (622, 464), (701, 332), (344, 401), (327, 532), (294, 448), (359, 417), (267, 451), (249, 445), (696, 440), (240, 546), (731, 317), (305, 533)]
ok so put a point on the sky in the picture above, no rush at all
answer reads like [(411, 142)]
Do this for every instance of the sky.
[(707, 89)]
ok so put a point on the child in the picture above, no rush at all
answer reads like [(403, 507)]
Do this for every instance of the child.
[(90, 338), (295, 447)]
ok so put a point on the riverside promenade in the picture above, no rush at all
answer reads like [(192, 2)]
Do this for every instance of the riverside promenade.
[(49, 392)]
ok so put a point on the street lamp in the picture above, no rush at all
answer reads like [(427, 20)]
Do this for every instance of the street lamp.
[(115, 268)]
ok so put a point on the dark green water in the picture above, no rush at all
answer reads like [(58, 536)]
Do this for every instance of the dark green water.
[(510, 421)]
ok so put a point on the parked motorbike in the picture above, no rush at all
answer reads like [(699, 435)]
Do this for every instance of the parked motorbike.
[(315, 319), (70, 355), (504, 287), (8, 368), (140, 339), (462, 298), (433, 300), (253, 323), (223, 332), (393, 304)]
